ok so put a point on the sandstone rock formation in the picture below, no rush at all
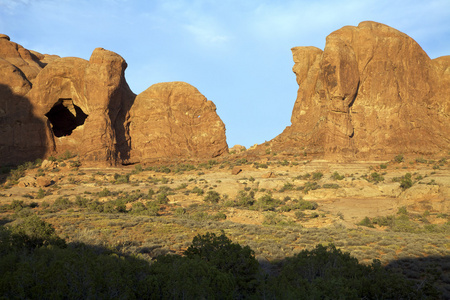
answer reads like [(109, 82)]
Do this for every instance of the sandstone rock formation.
[(173, 119), (371, 92), (84, 105), (49, 105)]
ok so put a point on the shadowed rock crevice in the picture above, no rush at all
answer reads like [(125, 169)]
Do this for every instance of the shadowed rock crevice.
[(64, 117)]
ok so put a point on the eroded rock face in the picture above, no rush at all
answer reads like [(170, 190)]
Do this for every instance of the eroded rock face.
[(83, 104), (173, 119), (49, 105), (373, 91)]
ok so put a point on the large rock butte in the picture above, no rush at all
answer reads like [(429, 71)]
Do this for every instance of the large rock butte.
[(50, 105), (173, 119), (371, 92)]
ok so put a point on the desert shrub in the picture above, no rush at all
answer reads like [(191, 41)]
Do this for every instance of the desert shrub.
[(405, 181), (366, 222), (384, 220), (212, 197), (228, 257), (40, 194), (267, 202), (162, 198), (273, 218), (32, 232), (374, 177), (421, 160), (243, 199), (182, 186), (402, 211), (104, 193), (62, 203), (120, 179), (309, 186), (299, 215), (219, 216), (300, 204), (317, 175), (81, 201), (198, 191), (331, 186), (327, 273), (399, 158), (337, 176), (139, 208), (287, 187)]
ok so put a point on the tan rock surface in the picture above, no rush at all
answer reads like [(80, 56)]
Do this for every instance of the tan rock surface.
[(84, 105), (50, 105), (174, 119), (373, 91)]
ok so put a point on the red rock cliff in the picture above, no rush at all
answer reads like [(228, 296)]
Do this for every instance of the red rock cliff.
[(373, 91)]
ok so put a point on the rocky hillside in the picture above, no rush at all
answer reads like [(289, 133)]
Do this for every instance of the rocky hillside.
[(371, 92), (50, 105)]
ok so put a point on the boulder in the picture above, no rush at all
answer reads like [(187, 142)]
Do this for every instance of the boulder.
[(172, 120), (236, 170), (372, 92), (43, 181), (237, 149)]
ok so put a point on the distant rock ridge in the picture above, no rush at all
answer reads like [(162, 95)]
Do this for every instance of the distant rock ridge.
[(50, 105), (371, 92)]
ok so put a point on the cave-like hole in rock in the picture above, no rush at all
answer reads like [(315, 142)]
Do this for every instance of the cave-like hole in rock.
[(65, 117)]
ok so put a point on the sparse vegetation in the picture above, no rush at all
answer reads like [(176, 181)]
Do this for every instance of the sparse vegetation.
[(149, 215)]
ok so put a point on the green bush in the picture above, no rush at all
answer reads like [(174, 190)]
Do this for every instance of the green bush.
[(327, 273), (228, 257), (399, 158), (405, 181), (267, 202), (366, 222), (337, 176), (212, 197), (32, 232), (317, 175), (198, 191)]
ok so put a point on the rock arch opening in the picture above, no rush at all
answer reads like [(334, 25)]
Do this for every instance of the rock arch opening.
[(64, 117)]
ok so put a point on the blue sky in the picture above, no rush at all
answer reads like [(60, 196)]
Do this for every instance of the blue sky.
[(237, 53)]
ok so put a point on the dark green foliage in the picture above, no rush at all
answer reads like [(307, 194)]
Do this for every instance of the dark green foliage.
[(139, 208), (374, 177), (287, 187), (62, 203), (301, 204), (243, 199), (405, 181), (121, 178), (197, 191), (40, 194), (399, 158), (327, 273), (37, 264), (267, 202), (337, 176), (366, 222), (317, 175), (177, 277), (32, 233), (212, 197), (228, 257), (310, 186)]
